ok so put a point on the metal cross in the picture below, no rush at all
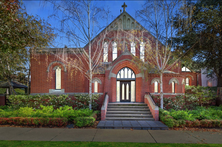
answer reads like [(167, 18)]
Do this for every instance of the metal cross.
[(124, 6)]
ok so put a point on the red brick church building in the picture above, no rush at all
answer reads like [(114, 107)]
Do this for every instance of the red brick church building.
[(120, 77)]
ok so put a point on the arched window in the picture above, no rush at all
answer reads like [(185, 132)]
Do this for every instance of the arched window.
[(133, 48), (114, 50), (187, 82), (142, 52), (95, 87), (155, 87), (105, 52), (58, 78), (173, 87)]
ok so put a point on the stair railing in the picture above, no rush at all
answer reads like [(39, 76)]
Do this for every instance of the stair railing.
[(104, 106), (148, 99)]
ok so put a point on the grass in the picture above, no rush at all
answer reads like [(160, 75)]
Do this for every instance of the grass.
[(95, 144)]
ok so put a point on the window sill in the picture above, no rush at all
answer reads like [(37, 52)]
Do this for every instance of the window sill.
[(56, 91)]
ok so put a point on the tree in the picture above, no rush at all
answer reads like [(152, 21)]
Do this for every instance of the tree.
[(157, 17), (202, 29), (79, 21), (20, 33)]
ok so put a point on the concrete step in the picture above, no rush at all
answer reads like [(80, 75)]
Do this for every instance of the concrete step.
[(129, 118), (128, 112), (127, 104), (114, 106), (129, 115), (128, 109)]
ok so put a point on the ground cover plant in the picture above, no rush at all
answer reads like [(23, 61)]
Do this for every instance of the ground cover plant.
[(201, 117), (47, 115)]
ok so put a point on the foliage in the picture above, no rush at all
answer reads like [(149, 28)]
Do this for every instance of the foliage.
[(17, 90), (82, 101), (199, 96), (28, 121), (19, 33), (84, 121), (201, 117), (46, 112), (194, 96), (200, 29), (17, 101)]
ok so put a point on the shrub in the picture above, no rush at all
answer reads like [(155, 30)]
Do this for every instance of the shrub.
[(17, 101), (84, 121), (47, 112), (82, 101), (34, 121)]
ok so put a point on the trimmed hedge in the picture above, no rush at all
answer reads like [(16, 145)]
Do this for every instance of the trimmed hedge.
[(86, 121), (17, 101), (46, 112), (28, 121)]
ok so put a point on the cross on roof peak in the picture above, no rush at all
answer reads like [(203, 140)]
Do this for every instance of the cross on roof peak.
[(124, 7)]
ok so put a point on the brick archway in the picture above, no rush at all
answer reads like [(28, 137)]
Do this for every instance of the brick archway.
[(121, 64)]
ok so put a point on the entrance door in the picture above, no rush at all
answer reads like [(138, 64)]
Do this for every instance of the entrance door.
[(125, 89)]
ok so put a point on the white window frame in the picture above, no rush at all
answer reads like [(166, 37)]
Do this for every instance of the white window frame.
[(133, 48), (142, 51), (96, 87), (156, 87), (58, 79), (114, 46), (173, 87), (105, 52), (187, 81)]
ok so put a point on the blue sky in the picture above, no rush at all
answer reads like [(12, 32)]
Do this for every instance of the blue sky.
[(43, 10)]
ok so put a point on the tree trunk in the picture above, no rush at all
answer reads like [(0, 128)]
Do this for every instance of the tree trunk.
[(90, 60), (161, 90), (11, 89)]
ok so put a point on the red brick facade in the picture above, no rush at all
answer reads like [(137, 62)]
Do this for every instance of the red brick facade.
[(73, 81)]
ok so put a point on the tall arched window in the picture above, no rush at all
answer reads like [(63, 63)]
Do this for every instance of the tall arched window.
[(187, 82), (173, 87), (142, 52), (156, 87), (133, 48), (114, 50), (58, 78), (95, 87), (105, 52)]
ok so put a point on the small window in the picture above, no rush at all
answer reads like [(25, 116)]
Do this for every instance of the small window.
[(114, 51), (185, 69), (187, 82), (133, 49), (173, 87), (155, 87), (142, 51), (209, 83), (95, 87), (58, 78), (105, 52)]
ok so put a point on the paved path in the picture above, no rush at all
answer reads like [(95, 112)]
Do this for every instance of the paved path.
[(108, 135), (136, 125)]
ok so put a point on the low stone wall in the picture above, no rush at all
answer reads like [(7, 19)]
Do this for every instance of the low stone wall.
[(154, 109)]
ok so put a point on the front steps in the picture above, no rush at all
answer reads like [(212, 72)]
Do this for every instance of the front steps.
[(128, 112)]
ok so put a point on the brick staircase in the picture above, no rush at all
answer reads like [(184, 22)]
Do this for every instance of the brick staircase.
[(129, 112)]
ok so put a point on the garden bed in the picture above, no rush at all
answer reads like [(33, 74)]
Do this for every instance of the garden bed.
[(199, 118)]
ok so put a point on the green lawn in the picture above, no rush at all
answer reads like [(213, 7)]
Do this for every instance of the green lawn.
[(94, 144)]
